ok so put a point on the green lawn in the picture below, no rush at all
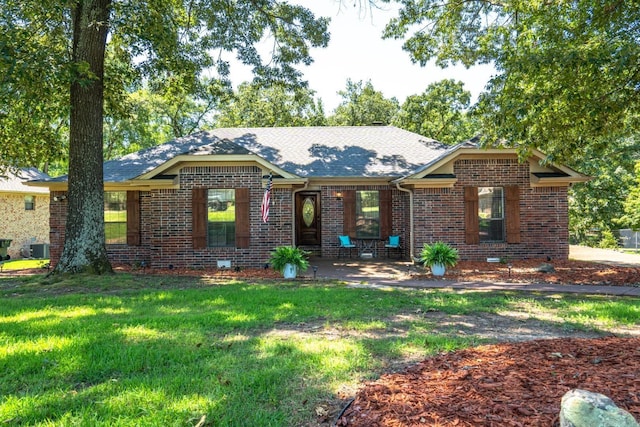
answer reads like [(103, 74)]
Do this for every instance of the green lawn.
[(22, 264), (129, 350)]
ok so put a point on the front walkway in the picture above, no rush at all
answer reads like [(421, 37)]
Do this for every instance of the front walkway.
[(398, 274)]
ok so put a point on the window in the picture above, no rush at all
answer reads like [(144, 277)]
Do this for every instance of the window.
[(491, 214), (115, 217), (367, 214), (221, 217), (29, 203)]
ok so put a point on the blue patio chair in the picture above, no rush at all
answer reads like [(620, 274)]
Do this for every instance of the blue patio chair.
[(393, 243), (345, 244)]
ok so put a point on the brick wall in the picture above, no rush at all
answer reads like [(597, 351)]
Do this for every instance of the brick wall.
[(543, 213), (166, 234), (333, 211), (23, 227), (166, 225)]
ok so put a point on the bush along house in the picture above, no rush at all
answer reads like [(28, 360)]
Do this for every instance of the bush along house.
[(197, 201)]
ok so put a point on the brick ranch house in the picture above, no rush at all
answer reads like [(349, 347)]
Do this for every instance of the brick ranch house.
[(195, 202)]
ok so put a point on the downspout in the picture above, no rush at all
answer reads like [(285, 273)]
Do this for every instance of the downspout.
[(411, 246), (293, 210)]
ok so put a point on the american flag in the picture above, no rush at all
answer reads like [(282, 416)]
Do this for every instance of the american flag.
[(266, 200)]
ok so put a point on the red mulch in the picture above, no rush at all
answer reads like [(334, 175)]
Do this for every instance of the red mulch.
[(526, 271), (517, 384), (521, 271)]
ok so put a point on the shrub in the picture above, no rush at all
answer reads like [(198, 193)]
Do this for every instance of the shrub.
[(283, 255), (439, 253)]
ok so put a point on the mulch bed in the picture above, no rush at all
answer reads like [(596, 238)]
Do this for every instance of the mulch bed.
[(517, 384), (527, 271), (518, 271)]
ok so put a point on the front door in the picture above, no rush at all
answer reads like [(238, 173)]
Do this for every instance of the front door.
[(308, 219)]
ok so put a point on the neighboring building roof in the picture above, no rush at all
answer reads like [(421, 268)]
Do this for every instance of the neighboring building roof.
[(14, 182), (344, 151)]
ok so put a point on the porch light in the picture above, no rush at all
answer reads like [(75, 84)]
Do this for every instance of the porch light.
[(338, 195)]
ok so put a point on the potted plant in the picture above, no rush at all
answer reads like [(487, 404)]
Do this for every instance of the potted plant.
[(438, 256), (288, 260)]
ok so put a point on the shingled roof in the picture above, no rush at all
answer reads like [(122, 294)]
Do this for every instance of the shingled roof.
[(14, 182), (340, 151)]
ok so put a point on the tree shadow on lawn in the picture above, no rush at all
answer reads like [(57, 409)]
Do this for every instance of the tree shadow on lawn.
[(266, 354)]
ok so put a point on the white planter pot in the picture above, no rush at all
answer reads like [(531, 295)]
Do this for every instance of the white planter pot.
[(438, 269), (290, 271)]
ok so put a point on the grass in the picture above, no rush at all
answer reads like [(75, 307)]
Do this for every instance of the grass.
[(128, 350), (22, 264)]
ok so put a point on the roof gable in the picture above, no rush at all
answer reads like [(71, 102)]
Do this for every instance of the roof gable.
[(439, 172)]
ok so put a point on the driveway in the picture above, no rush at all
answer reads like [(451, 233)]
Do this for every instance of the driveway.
[(604, 256)]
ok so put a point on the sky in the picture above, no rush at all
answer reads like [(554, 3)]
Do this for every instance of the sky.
[(356, 51)]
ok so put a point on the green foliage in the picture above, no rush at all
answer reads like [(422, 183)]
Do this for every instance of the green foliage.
[(283, 255), (599, 203), (255, 105), (439, 253), (33, 99), (362, 105), (608, 240), (631, 217), (52, 63), (439, 113), (567, 72)]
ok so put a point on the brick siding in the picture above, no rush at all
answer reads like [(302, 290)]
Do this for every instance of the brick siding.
[(166, 234), (23, 227), (544, 216)]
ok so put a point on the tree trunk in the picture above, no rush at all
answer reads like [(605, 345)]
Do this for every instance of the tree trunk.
[(84, 247)]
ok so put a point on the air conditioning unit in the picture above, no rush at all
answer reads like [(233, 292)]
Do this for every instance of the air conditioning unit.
[(40, 251)]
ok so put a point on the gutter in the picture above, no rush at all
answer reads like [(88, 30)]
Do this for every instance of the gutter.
[(411, 220)]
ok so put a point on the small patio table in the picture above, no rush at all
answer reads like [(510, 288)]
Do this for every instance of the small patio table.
[(368, 248)]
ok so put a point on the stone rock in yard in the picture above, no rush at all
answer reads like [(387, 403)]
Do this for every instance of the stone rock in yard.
[(581, 408), (546, 268)]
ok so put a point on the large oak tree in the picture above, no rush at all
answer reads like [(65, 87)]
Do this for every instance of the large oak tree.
[(568, 72), (440, 112), (49, 48)]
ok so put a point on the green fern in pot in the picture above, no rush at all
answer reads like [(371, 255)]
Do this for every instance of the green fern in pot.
[(289, 255), (438, 256)]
